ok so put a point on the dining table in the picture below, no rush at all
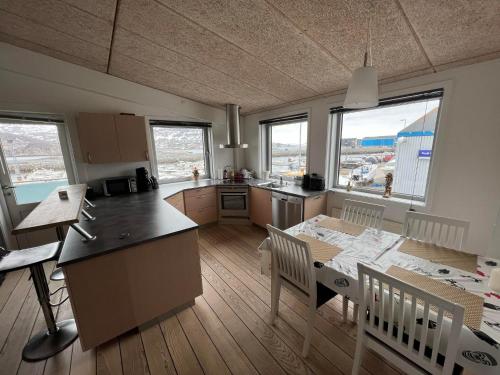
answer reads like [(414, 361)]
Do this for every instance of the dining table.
[(479, 347)]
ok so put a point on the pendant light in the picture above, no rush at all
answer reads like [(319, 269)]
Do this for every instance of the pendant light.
[(363, 87)]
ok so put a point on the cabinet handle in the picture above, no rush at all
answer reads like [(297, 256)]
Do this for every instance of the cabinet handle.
[(147, 154), (89, 157)]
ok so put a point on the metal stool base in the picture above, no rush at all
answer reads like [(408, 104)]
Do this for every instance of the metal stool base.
[(57, 275), (44, 345)]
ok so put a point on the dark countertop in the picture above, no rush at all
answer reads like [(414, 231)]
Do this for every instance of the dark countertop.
[(290, 189), (144, 216), (129, 220)]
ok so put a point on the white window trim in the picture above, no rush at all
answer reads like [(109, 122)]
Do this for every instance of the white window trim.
[(208, 140), (438, 144), (265, 141)]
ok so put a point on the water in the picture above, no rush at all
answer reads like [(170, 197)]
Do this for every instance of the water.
[(32, 192)]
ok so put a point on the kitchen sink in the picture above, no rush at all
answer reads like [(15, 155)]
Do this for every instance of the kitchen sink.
[(273, 185)]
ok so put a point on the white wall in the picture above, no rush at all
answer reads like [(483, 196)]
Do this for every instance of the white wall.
[(32, 82), (465, 178), (37, 83)]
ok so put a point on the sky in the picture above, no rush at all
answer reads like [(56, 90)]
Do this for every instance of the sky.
[(367, 123), (384, 121)]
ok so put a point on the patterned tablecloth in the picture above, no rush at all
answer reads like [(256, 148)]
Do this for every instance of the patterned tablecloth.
[(479, 350)]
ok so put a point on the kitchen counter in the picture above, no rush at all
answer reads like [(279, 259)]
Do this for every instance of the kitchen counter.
[(125, 221), (290, 189)]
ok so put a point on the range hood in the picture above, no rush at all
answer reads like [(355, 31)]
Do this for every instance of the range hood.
[(233, 127)]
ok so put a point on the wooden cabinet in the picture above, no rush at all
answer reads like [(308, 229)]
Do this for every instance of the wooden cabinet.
[(314, 206), (201, 205), (108, 138), (132, 138), (177, 200), (261, 210), (97, 138)]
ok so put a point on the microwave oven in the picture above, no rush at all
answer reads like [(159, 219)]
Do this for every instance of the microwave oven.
[(119, 185)]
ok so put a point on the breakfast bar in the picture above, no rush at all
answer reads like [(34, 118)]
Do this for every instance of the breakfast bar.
[(144, 264)]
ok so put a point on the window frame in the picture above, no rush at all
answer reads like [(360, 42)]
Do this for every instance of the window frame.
[(336, 117), (267, 131), (207, 146)]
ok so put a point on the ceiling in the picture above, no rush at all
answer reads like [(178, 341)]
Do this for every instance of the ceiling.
[(260, 53)]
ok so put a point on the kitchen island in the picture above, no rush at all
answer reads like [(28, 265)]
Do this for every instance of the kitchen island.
[(144, 264)]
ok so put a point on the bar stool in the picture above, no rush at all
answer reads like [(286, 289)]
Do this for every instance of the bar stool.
[(58, 274), (59, 335)]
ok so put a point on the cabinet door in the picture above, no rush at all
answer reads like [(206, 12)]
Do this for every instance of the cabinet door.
[(261, 211), (97, 138), (132, 139), (313, 206)]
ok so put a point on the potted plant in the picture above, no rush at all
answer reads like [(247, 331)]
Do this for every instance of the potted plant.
[(196, 173)]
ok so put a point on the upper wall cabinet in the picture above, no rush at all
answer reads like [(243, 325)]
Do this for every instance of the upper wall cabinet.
[(106, 138)]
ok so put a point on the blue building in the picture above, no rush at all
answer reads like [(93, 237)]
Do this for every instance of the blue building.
[(384, 141)]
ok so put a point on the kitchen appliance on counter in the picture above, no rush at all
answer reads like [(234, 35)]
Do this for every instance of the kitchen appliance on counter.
[(119, 185), (317, 182), (233, 204), (144, 182), (287, 210)]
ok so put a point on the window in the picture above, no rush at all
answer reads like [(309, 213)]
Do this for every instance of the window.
[(286, 146), (32, 156), (396, 137), (179, 148)]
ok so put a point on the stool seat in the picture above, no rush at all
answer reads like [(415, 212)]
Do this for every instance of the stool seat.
[(18, 259)]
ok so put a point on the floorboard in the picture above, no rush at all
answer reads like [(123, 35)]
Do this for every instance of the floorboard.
[(227, 331)]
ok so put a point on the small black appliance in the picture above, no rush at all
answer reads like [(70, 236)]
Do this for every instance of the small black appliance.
[(144, 182), (317, 182)]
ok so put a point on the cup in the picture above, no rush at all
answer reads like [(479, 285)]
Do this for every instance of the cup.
[(494, 283)]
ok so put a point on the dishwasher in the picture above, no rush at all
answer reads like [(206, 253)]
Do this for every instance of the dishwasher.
[(287, 210)]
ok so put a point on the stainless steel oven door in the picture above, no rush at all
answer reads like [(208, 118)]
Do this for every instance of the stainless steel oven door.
[(233, 203)]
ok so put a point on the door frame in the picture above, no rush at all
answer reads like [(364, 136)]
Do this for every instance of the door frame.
[(7, 222)]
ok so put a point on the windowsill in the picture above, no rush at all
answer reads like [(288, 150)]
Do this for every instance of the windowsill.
[(363, 194)]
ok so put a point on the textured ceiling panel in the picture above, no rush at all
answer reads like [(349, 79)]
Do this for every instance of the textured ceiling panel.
[(104, 9), (341, 27), (160, 25), (454, 30), (260, 53), (136, 71), (63, 18), (140, 49), (49, 39), (257, 28), (60, 55)]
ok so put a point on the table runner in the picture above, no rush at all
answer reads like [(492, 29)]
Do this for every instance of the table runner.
[(437, 254), (342, 226), (472, 303), (320, 250)]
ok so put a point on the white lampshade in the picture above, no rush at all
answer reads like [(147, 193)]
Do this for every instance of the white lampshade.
[(363, 89)]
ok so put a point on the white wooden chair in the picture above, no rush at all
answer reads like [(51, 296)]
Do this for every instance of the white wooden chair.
[(293, 262), (361, 213), (381, 321), (436, 230)]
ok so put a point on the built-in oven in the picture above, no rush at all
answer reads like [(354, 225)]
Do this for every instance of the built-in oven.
[(233, 202)]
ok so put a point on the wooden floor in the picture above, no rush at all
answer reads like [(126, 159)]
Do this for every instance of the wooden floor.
[(227, 331)]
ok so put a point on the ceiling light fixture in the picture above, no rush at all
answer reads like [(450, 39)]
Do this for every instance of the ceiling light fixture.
[(363, 87)]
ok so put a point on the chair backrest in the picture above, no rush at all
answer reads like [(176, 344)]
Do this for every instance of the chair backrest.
[(362, 213), (436, 230), (292, 259), (388, 330)]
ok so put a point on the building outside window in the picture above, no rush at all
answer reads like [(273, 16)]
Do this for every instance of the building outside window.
[(286, 146), (396, 137), (179, 148)]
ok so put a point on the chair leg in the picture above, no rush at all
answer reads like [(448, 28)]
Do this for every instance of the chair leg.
[(310, 327), (358, 355), (345, 308), (275, 296), (58, 336), (355, 313)]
